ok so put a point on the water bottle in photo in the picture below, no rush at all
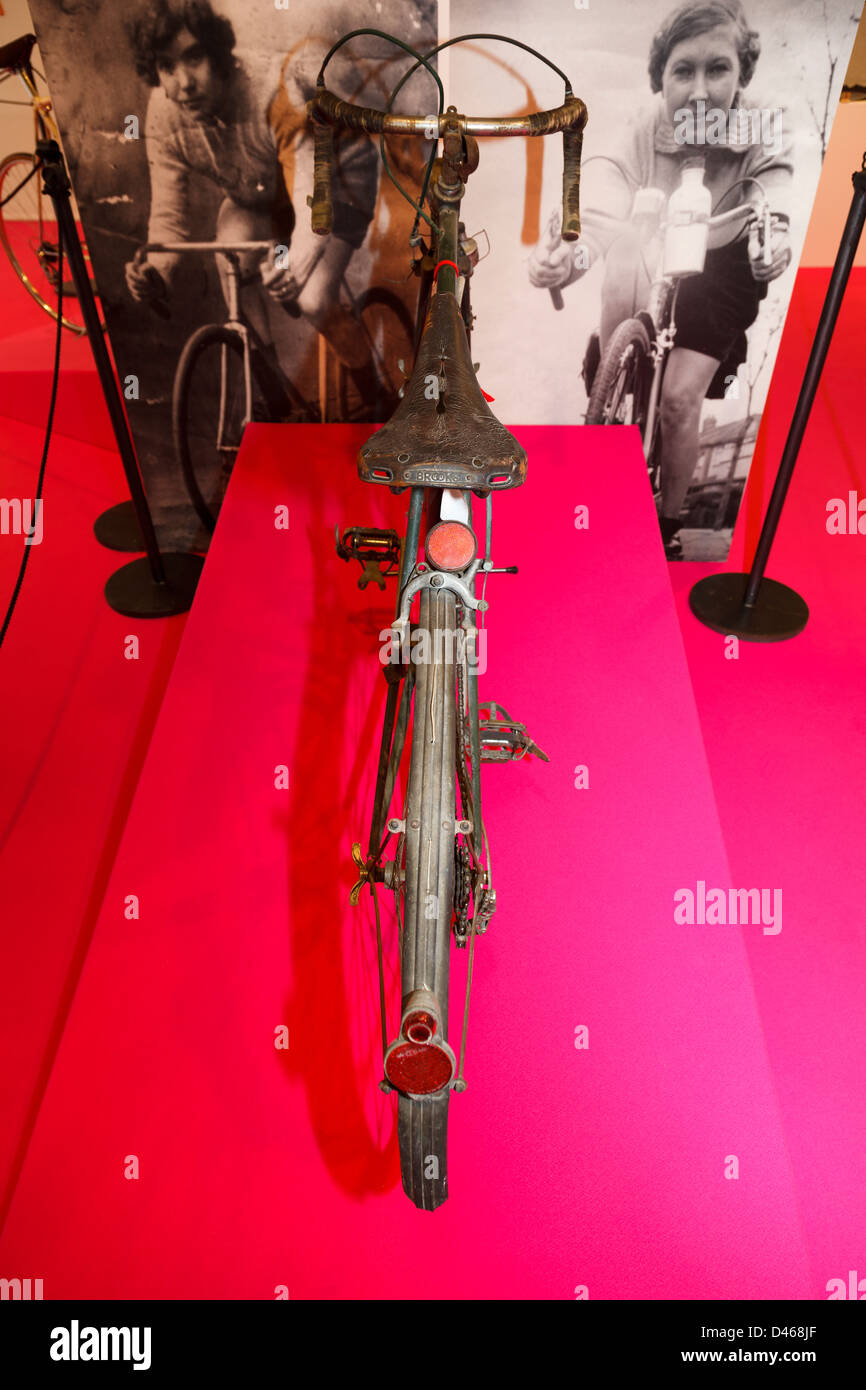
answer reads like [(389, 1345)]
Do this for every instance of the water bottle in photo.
[(689, 209)]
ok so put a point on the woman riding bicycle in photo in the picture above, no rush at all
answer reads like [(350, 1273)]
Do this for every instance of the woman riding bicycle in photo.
[(241, 125), (701, 60)]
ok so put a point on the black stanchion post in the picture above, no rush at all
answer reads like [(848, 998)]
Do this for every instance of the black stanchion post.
[(159, 584), (750, 605), (117, 528)]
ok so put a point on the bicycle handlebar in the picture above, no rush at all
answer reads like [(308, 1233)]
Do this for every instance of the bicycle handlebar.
[(326, 110), (753, 211), (216, 247)]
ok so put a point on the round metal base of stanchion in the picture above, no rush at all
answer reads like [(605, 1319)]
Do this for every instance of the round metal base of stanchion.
[(778, 613), (118, 529), (132, 591)]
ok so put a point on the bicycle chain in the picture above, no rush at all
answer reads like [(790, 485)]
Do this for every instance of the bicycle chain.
[(462, 772), (462, 890)]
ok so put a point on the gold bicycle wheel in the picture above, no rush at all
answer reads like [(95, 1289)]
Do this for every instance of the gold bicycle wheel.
[(29, 236)]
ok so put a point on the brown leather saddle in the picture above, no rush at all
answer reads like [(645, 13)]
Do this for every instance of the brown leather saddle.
[(443, 433)]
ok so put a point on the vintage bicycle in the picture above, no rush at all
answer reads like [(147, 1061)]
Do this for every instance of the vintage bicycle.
[(226, 376), (443, 445), (627, 384), (28, 228)]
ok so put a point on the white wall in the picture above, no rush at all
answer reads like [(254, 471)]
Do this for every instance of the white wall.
[(833, 198), (16, 123)]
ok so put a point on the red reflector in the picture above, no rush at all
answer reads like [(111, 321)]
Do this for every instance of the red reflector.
[(419, 1068), (450, 545)]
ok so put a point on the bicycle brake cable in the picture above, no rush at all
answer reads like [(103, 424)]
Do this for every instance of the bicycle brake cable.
[(421, 60), (459, 1076), (448, 43), (748, 178), (500, 38), (390, 38)]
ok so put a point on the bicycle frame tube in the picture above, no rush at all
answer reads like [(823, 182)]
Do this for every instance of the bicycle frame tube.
[(235, 322), (449, 216), (248, 385)]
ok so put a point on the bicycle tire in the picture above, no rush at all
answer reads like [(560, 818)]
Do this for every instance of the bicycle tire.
[(422, 1122), (396, 345), (208, 336), (277, 395), (16, 166), (613, 372)]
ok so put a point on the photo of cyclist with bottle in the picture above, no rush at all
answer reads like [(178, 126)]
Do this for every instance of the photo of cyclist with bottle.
[(701, 60)]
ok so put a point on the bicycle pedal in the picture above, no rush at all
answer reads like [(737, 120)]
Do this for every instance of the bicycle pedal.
[(503, 739), (372, 548)]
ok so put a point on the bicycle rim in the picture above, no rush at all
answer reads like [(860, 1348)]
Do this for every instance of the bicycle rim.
[(620, 391), (387, 329), (30, 237), (209, 415)]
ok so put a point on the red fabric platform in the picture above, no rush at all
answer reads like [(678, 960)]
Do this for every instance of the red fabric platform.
[(26, 359), (602, 1167), (76, 722), (785, 736)]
